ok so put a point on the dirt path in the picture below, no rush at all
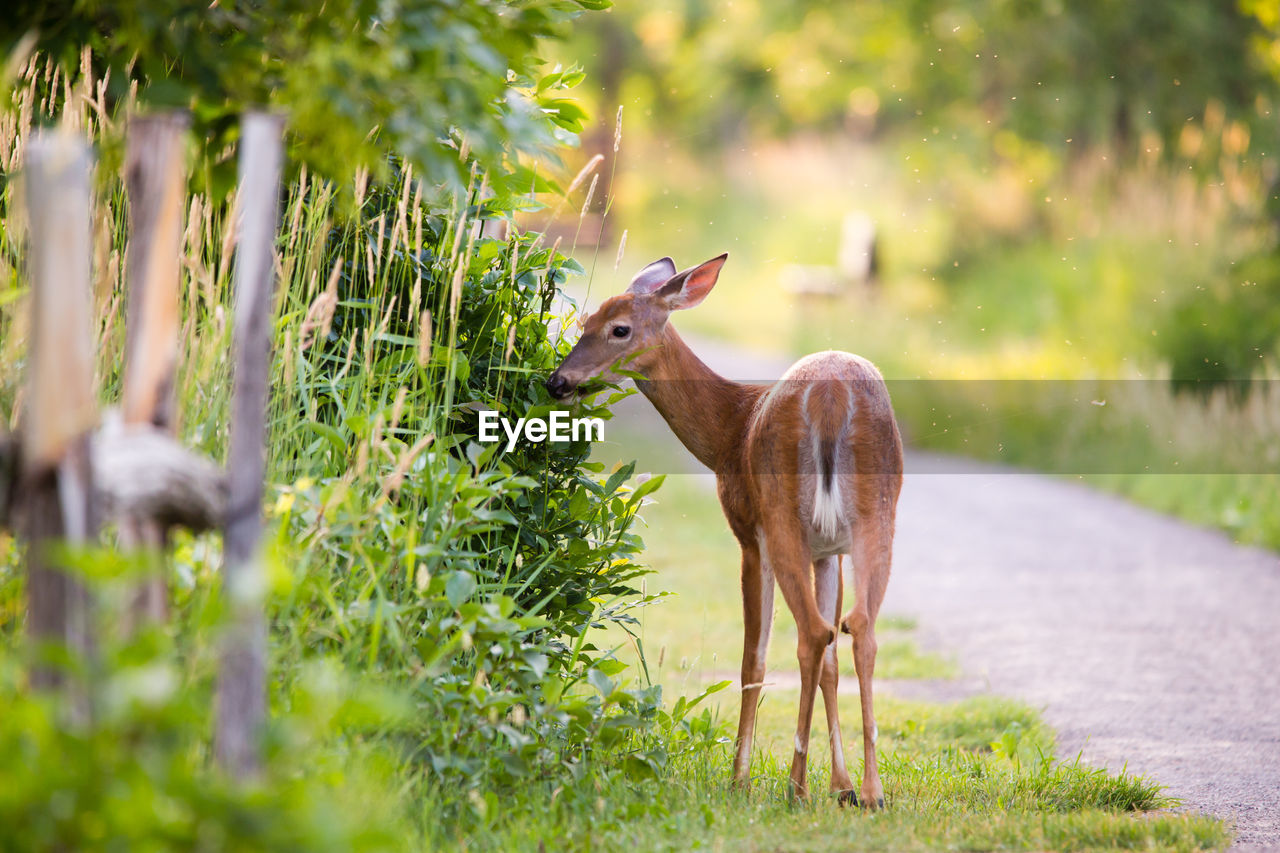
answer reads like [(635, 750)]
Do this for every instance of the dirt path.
[(1147, 642)]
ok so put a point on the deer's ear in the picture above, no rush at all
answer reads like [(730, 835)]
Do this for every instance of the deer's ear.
[(692, 286), (653, 276)]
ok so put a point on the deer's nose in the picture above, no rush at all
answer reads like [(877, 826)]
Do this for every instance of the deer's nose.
[(557, 386)]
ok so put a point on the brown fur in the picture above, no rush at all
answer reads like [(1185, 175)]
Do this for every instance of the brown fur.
[(768, 449)]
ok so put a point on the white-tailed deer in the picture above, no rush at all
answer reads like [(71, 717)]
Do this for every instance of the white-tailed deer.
[(807, 471)]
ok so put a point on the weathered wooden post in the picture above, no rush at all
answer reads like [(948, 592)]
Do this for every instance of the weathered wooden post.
[(61, 409), (155, 176), (242, 679)]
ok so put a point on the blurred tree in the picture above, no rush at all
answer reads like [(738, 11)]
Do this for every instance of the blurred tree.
[(1062, 73), (1091, 71), (357, 78)]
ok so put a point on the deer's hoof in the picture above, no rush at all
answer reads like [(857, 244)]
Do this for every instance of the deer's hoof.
[(847, 798)]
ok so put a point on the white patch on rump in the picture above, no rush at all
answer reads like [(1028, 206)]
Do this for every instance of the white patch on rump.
[(827, 506)]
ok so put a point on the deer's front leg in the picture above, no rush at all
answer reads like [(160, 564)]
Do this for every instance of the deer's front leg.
[(757, 619)]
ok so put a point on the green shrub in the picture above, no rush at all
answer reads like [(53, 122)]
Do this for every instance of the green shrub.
[(474, 580), (1222, 333)]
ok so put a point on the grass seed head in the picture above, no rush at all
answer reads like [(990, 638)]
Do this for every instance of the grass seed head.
[(622, 247), (584, 172), (424, 339)]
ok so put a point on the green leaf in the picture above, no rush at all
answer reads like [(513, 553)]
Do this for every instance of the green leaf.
[(648, 487), (714, 688), (617, 478), (335, 439), (523, 180), (610, 666), (600, 682), (459, 587), (537, 662), (566, 113), (548, 81)]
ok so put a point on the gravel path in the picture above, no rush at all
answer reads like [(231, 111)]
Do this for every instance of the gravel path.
[(1148, 643)]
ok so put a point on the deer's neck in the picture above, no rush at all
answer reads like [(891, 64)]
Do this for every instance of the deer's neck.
[(707, 412)]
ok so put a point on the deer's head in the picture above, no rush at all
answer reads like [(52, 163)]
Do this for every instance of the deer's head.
[(627, 329)]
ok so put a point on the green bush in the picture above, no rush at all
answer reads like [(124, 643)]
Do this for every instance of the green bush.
[(1222, 333), (474, 581)]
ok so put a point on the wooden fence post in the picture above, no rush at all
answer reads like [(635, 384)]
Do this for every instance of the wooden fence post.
[(61, 408), (155, 176), (242, 678)]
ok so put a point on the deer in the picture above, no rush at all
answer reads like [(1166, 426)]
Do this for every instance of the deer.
[(807, 471)]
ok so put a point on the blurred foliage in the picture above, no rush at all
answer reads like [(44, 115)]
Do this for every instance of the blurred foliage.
[(1080, 73), (358, 79), (1060, 191), (1221, 333), (137, 776), (1078, 187), (1091, 72)]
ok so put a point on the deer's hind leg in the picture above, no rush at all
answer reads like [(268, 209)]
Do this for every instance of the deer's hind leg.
[(828, 586), (873, 546), (786, 548), (757, 619)]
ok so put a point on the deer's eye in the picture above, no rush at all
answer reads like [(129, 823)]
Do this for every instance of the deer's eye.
[(621, 331)]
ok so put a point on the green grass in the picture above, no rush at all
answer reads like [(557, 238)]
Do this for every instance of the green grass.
[(1246, 506), (973, 775)]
